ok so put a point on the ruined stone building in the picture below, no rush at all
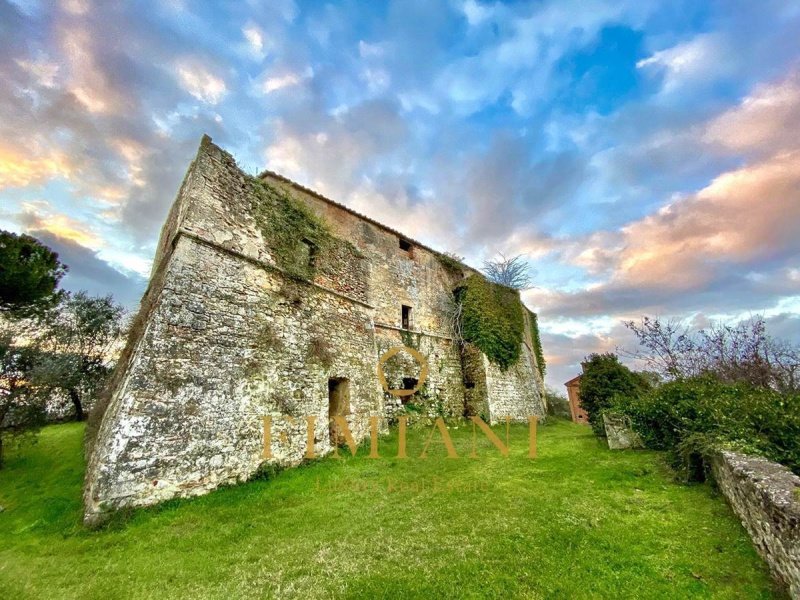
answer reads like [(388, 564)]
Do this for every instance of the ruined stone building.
[(267, 299)]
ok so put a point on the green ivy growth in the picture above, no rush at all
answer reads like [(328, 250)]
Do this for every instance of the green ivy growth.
[(410, 339), (451, 264), (491, 318), (537, 343), (291, 230)]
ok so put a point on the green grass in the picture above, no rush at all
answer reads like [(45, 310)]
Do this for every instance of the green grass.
[(578, 522)]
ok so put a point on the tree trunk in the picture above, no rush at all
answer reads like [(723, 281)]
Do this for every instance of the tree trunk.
[(76, 401)]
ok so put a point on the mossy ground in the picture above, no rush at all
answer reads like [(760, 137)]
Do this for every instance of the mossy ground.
[(580, 521)]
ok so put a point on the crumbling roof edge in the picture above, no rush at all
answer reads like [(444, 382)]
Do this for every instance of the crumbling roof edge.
[(302, 188)]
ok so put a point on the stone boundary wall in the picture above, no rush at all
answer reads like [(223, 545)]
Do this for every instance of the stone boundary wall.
[(765, 496)]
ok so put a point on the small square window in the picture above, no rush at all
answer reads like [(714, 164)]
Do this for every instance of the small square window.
[(409, 383), (405, 245)]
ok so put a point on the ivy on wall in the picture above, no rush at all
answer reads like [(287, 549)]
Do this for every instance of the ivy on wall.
[(451, 264), (537, 343), (491, 318), (300, 241), (291, 230)]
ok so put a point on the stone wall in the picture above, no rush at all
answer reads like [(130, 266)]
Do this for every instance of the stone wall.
[(223, 348), (516, 392), (442, 394), (764, 495), (226, 337)]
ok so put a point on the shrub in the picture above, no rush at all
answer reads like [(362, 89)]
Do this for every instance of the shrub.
[(691, 418), (605, 380), (557, 404)]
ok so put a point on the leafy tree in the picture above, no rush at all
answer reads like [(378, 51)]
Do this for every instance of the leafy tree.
[(77, 342), (557, 403), (512, 272), (29, 274), (21, 407), (605, 380)]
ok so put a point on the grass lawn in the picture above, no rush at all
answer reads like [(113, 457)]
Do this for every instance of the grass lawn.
[(580, 521)]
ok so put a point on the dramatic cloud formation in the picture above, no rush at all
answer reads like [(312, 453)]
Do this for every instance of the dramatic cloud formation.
[(645, 156)]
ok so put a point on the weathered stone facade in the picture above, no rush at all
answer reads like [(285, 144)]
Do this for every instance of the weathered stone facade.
[(766, 497), (225, 336)]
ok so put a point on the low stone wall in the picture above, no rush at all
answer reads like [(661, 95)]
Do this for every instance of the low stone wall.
[(764, 495)]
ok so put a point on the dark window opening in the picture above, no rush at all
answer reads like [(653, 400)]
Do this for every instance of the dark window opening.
[(409, 383), (406, 317), (311, 252), (405, 245), (338, 406)]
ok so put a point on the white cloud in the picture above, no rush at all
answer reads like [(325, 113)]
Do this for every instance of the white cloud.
[(766, 121), (43, 70), (200, 83), (255, 38), (475, 13), (288, 79), (366, 50), (75, 7), (702, 57)]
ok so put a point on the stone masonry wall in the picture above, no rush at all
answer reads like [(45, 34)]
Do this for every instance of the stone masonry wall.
[(223, 349), (442, 394), (513, 393), (764, 495), (225, 337)]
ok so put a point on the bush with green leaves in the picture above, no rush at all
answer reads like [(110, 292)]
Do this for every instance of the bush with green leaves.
[(605, 381), (691, 418)]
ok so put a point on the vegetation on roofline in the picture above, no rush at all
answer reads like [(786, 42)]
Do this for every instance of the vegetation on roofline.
[(300, 241), (451, 262), (491, 318)]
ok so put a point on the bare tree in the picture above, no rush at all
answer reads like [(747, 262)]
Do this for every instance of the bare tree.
[(513, 272), (452, 309), (741, 352), (666, 347)]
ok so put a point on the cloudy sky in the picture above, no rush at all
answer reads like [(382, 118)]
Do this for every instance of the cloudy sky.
[(644, 156)]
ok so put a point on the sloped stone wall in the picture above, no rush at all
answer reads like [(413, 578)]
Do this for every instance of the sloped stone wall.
[(764, 495), (223, 348)]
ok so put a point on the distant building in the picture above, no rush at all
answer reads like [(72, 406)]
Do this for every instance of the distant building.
[(574, 393)]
